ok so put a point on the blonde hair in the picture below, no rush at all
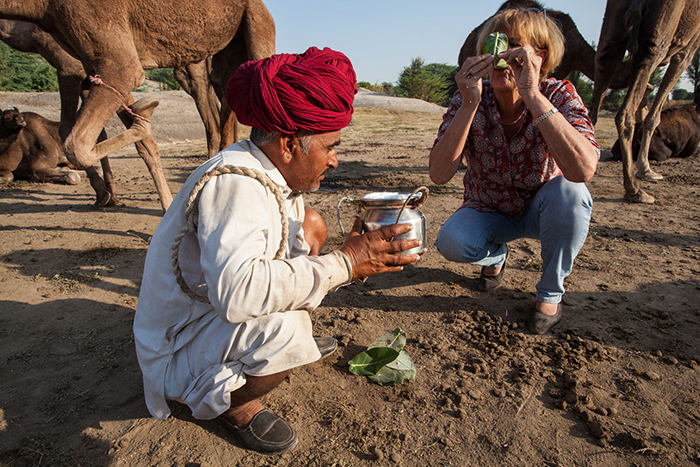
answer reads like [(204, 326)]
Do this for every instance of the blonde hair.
[(529, 26)]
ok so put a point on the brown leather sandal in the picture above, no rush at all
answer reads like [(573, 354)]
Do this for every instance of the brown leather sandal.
[(266, 433)]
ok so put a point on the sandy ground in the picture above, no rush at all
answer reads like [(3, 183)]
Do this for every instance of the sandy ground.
[(615, 385)]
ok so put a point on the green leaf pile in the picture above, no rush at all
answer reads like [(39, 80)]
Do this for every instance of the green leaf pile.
[(385, 362), (494, 44)]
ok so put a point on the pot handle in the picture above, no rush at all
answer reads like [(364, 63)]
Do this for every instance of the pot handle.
[(418, 203)]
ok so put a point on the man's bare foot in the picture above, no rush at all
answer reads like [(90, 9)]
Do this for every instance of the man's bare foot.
[(242, 415)]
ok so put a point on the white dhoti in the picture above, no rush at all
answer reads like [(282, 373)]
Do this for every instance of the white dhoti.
[(204, 372)]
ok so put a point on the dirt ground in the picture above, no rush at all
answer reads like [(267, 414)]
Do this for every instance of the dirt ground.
[(617, 384)]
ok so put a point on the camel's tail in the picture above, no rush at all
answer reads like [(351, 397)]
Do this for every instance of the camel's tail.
[(636, 11)]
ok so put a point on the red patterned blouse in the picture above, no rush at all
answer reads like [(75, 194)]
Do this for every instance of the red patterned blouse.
[(504, 176)]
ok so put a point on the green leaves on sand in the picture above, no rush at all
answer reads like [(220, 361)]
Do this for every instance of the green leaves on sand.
[(494, 44), (385, 362)]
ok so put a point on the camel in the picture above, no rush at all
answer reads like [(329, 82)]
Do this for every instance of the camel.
[(118, 40), (578, 56), (27, 37), (655, 33), (676, 135), (30, 148)]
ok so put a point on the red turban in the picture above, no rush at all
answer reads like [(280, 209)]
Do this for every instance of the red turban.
[(312, 91)]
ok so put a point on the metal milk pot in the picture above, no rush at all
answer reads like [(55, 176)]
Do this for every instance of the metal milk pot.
[(381, 209)]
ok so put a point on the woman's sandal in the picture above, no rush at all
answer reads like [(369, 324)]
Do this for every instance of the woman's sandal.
[(540, 323), (489, 283), (266, 433)]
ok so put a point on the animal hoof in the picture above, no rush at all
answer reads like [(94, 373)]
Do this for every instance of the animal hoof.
[(649, 176), (145, 107), (72, 177), (103, 199), (639, 197)]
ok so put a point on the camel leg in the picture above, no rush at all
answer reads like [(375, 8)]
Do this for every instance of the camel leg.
[(194, 79), (69, 92), (229, 126), (56, 175), (139, 129), (676, 67), (148, 151), (105, 194), (609, 56), (6, 176), (625, 130), (96, 111)]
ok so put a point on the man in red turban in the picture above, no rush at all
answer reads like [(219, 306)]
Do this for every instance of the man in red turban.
[(226, 322)]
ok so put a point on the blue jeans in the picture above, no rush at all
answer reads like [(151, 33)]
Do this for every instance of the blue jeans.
[(558, 216)]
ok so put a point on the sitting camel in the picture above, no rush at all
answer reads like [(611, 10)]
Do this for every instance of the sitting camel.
[(655, 33), (677, 134), (119, 39), (578, 54), (30, 149)]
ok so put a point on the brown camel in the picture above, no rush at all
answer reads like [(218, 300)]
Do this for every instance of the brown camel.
[(30, 149), (578, 55), (27, 37), (677, 134), (118, 40), (655, 33)]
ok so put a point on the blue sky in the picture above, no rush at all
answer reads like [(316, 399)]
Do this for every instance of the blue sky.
[(381, 37)]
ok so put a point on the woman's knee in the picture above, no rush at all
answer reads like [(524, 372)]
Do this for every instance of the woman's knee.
[(567, 198)]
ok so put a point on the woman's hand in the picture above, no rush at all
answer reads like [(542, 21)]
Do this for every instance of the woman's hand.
[(526, 65), (469, 78)]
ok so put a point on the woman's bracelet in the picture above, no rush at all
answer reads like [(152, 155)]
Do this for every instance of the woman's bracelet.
[(544, 116)]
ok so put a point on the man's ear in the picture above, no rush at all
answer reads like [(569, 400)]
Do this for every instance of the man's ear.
[(287, 145)]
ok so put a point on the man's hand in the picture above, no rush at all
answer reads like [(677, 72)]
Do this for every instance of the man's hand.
[(374, 252)]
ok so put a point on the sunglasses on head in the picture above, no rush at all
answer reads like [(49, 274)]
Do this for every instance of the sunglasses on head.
[(536, 10)]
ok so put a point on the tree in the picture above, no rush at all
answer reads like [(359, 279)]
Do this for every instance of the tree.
[(383, 88), (23, 72), (430, 82), (164, 77), (582, 85), (693, 72)]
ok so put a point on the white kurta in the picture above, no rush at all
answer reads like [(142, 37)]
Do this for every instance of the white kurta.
[(257, 322)]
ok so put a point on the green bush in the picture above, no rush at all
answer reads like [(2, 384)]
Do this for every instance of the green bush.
[(164, 77), (23, 72), (384, 88), (431, 82), (583, 86)]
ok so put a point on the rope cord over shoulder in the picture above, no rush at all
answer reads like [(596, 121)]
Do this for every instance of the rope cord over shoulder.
[(191, 213)]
